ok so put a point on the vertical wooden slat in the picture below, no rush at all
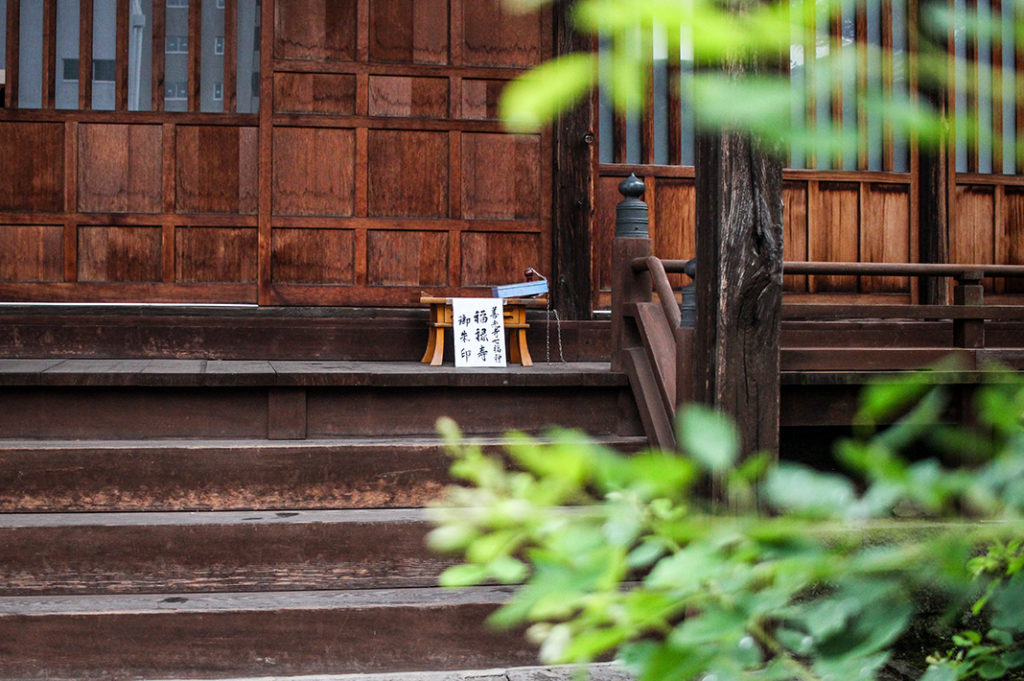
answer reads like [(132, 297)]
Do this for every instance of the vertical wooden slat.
[(169, 173), (49, 53), (973, 101), (888, 84), (363, 31), (810, 25), (1019, 114), (85, 55), (997, 88), (675, 108), (619, 136), (70, 200), (456, 32), (159, 45), (263, 281), (836, 41), (861, 42), (230, 55), (195, 34), (121, 82), (13, 47), (647, 118)]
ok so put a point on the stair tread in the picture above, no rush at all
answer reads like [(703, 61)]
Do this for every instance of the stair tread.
[(210, 444), (173, 603), (600, 671), (294, 373), (200, 518)]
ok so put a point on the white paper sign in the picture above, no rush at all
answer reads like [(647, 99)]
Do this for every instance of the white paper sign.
[(479, 328)]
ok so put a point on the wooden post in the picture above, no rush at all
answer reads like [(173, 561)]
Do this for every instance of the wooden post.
[(935, 182), (631, 241), (739, 287), (969, 333), (574, 187)]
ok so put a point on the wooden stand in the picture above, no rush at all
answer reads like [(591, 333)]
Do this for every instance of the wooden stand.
[(515, 324)]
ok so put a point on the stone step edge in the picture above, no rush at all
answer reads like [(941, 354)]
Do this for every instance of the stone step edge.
[(600, 671)]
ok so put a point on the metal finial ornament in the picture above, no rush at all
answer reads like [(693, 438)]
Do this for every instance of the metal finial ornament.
[(631, 219)]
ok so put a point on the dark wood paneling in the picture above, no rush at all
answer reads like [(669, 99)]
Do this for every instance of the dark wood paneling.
[(673, 230), (407, 173), (31, 253), (32, 166), (500, 176), (312, 256), (214, 255), (885, 233), (322, 93), (395, 258), (116, 254), (833, 232), (972, 232), (498, 36), (322, 30), (406, 96), (409, 31), (1011, 237), (119, 168), (794, 228), (314, 171), (490, 258), (216, 169), (480, 98)]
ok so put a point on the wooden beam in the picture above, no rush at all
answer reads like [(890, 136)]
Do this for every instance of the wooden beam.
[(195, 39), (13, 47), (49, 59), (230, 55), (121, 58), (739, 282), (85, 55), (573, 204), (159, 45)]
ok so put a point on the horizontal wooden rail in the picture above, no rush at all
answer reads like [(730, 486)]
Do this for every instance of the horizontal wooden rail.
[(656, 266), (870, 269)]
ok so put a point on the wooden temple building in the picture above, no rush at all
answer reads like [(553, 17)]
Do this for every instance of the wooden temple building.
[(217, 220)]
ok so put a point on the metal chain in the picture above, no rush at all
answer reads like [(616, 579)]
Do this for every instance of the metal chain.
[(547, 335)]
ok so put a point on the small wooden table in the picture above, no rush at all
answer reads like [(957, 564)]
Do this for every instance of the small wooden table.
[(515, 324)]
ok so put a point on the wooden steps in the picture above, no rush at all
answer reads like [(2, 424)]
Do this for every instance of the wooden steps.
[(221, 635), (191, 518)]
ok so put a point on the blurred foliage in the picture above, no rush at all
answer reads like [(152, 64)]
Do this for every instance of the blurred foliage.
[(741, 50), (785, 571)]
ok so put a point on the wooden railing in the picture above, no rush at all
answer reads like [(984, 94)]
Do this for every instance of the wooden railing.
[(656, 351)]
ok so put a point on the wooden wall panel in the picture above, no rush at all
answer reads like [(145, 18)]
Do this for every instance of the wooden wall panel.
[(409, 31), (490, 258), (31, 253), (313, 171), (498, 36), (972, 236), (407, 173), (215, 255), (216, 169), (1010, 244), (31, 167), (312, 256), (321, 30), (885, 233), (833, 235), (408, 96), (794, 227), (673, 231), (119, 254), (315, 93), (607, 195), (480, 98), (119, 168), (500, 176), (406, 258)]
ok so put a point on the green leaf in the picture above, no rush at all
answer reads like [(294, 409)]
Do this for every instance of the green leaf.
[(801, 489), (992, 668), (463, 575), (940, 672), (709, 437), (539, 95)]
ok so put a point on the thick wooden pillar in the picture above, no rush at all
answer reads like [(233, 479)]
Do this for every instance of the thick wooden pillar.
[(739, 283), (936, 178), (573, 207)]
